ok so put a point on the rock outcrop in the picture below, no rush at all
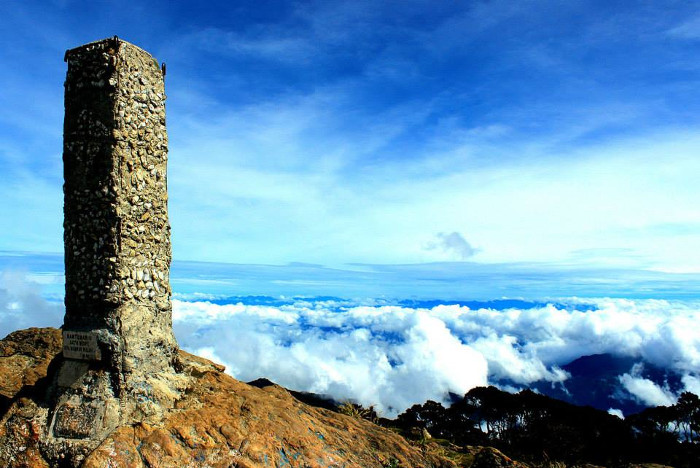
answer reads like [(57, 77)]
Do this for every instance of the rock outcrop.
[(24, 359), (217, 422)]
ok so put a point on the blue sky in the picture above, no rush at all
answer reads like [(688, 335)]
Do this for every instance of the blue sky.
[(552, 135), (393, 158)]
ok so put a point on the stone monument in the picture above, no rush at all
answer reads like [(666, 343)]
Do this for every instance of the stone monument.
[(119, 351), (119, 393)]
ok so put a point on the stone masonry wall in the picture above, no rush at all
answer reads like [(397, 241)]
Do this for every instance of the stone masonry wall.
[(117, 234)]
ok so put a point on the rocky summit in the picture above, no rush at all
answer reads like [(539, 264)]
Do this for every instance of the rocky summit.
[(111, 388), (217, 422)]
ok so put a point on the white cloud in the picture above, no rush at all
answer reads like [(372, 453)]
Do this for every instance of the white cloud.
[(452, 244), (393, 357), (22, 306), (616, 412), (646, 391), (692, 383), (385, 356), (509, 360)]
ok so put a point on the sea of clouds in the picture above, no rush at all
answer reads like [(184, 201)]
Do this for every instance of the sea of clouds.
[(393, 356)]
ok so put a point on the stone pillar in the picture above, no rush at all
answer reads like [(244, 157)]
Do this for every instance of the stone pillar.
[(118, 337)]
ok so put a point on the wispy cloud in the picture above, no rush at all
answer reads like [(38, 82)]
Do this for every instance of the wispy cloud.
[(427, 281), (689, 29), (337, 132), (262, 45)]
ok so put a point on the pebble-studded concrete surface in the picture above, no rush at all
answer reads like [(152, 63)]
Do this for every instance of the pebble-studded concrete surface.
[(117, 234)]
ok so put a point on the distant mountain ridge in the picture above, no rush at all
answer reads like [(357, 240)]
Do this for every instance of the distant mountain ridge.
[(594, 381)]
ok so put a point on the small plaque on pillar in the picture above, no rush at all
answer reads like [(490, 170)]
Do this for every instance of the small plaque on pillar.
[(81, 346)]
